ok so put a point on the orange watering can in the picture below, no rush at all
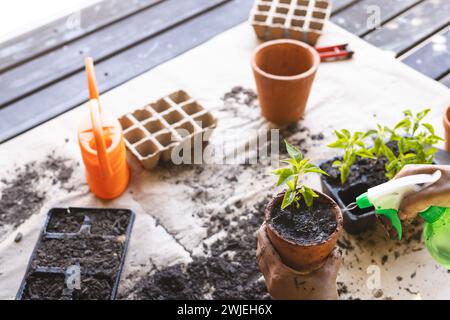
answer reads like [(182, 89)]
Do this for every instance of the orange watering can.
[(102, 146)]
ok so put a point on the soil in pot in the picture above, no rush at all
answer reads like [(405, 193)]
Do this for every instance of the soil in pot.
[(368, 171), (93, 253), (109, 223), (93, 288), (106, 223), (47, 286), (304, 225), (61, 222), (44, 287)]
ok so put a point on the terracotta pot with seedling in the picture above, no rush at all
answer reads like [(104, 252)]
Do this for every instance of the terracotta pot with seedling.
[(374, 157), (302, 224)]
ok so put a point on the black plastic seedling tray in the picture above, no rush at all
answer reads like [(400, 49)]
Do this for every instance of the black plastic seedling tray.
[(88, 244)]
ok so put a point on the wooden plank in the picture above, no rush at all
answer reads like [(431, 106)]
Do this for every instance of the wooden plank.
[(433, 58), (44, 70), (358, 19), (113, 71), (446, 80), (66, 29), (339, 5), (412, 27)]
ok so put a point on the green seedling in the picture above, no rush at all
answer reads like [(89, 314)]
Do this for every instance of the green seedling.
[(415, 146), (414, 139), (353, 146), (289, 176)]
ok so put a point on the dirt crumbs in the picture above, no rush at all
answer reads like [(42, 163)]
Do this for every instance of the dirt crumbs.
[(342, 288), (241, 95), (228, 271), (377, 293), (304, 224), (21, 196)]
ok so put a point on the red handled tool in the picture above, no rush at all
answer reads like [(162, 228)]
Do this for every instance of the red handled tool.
[(333, 53)]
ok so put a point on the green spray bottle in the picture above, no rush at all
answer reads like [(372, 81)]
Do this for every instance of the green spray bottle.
[(387, 197)]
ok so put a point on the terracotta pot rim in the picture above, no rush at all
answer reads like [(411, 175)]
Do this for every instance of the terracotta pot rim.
[(446, 119), (305, 74), (334, 207)]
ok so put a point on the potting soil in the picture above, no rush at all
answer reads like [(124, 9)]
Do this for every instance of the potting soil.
[(304, 225), (21, 195)]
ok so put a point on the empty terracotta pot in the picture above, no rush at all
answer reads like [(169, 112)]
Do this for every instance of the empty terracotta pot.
[(447, 129), (304, 256), (284, 71)]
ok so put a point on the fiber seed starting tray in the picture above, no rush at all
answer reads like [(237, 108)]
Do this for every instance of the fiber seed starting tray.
[(173, 122), (295, 19), (79, 255)]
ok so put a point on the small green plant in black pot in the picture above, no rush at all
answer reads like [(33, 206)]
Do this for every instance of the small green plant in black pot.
[(373, 157)]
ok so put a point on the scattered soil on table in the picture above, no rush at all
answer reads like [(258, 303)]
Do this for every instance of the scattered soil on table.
[(44, 287), (297, 135), (229, 271), (64, 222), (19, 198), (377, 293), (342, 288), (18, 237), (58, 166), (304, 225), (241, 95), (20, 195), (92, 253), (345, 244)]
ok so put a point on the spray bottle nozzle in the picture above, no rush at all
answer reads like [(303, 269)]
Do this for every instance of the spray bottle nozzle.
[(363, 201)]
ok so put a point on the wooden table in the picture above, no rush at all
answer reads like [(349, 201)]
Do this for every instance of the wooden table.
[(41, 72)]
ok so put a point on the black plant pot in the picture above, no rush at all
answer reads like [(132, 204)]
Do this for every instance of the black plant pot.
[(356, 221)]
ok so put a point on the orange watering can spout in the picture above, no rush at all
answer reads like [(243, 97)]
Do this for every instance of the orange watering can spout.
[(102, 147)]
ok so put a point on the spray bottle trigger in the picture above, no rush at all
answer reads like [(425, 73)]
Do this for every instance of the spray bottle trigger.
[(392, 215)]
